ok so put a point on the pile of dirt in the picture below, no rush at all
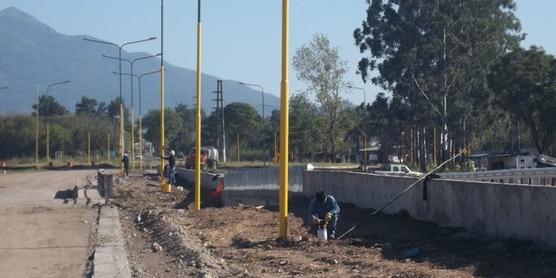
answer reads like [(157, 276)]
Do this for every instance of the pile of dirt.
[(242, 241)]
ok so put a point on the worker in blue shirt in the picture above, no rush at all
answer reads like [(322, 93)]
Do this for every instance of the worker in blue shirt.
[(323, 210)]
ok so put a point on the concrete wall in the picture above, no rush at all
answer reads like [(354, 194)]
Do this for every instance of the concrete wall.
[(255, 186), (259, 186), (501, 210)]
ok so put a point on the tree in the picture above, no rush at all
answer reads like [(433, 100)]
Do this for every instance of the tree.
[(524, 84), (435, 55), (305, 127), (243, 119), (48, 106), (319, 64), (86, 106), (172, 125)]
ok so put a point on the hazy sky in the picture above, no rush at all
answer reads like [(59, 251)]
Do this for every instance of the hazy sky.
[(241, 37)]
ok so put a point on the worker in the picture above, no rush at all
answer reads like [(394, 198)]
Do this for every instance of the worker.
[(324, 211), (171, 167), (125, 161)]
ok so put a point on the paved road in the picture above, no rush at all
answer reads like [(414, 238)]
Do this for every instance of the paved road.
[(41, 236)]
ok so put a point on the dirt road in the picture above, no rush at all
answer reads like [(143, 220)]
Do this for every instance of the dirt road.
[(42, 233), (240, 241)]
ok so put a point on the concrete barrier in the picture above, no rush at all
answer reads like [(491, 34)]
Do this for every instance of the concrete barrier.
[(259, 186), (212, 185), (500, 210)]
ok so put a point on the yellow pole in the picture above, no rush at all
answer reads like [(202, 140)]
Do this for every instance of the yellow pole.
[(237, 145), (284, 123), (108, 152), (166, 187), (365, 154), (198, 120), (47, 143), (37, 131), (132, 142), (121, 136), (89, 147), (140, 145)]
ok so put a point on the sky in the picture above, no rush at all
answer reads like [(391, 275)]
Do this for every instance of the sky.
[(242, 38)]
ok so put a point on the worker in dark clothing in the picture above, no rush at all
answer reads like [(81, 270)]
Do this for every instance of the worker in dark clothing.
[(171, 166), (125, 161), (324, 211)]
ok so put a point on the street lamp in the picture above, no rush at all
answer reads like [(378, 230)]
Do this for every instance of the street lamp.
[(48, 119), (141, 118), (262, 93), (120, 47), (364, 94), (131, 75), (198, 114), (284, 122)]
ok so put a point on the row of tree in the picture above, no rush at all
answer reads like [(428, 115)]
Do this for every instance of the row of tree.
[(453, 75)]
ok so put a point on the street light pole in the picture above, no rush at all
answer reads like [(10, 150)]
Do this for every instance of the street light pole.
[(37, 130), (131, 63), (284, 122), (120, 47), (198, 116), (141, 119), (48, 119), (364, 94), (262, 94)]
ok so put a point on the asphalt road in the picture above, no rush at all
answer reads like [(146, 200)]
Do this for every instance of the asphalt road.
[(41, 235)]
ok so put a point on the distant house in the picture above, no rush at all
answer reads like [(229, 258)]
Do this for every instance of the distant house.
[(501, 161)]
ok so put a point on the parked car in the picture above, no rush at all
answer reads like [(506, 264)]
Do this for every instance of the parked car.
[(398, 170)]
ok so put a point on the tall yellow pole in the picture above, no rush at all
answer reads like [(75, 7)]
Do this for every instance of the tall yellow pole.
[(121, 136), (237, 145), (166, 187), (132, 142), (140, 145), (89, 147), (198, 116), (108, 152), (47, 143), (37, 130), (284, 123), (163, 184)]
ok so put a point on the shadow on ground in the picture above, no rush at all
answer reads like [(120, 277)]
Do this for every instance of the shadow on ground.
[(402, 237)]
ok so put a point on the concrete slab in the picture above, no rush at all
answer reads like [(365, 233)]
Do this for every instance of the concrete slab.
[(110, 254)]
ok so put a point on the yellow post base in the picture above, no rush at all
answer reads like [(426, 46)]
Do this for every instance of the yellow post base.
[(166, 187)]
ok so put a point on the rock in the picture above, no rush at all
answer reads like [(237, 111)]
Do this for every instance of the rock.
[(267, 247), (138, 219), (205, 244), (331, 261), (145, 230), (283, 263), (134, 234), (297, 238), (156, 247), (203, 275)]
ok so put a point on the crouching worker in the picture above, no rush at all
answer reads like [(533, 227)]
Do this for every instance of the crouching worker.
[(324, 211)]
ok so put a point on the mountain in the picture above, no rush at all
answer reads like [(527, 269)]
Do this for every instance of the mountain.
[(32, 53)]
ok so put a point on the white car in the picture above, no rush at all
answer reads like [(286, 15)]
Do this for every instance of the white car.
[(398, 170)]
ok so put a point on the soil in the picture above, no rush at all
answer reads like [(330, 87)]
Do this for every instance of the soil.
[(242, 241)]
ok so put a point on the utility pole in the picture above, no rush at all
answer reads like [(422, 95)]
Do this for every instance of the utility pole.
[(37, 130), (221, 131), (89, 148), (284, 123), (198, 116)]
